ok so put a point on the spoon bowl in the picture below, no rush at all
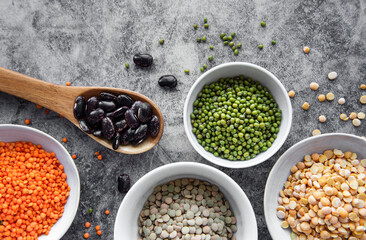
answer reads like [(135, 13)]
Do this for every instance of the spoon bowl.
[(61, 99)]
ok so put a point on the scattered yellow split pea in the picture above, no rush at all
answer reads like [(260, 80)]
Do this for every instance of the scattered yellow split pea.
[(361, 115), (306, 49), (316, 132), (341, 101), (356, 122), (314, 86), (363, 86), (322, 118), (352, 115), (321, 98), (291, 94), (332, 75), (305, 106), (330, 96), (343, 117), (363, 99)]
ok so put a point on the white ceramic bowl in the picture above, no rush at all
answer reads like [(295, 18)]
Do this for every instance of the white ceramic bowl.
[(126, 224), (13, 133), (295, 154), (257, 73)]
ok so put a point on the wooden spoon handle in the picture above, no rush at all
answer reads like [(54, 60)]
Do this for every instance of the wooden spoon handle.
[(55, 97)]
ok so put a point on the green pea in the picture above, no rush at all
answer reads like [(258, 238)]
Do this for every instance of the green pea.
[(161, 41), (205, 20), (263, 24), (260, 46), (206, 25), (236, 52), (186, 71), (127, 65), (199, 40), (210, 58), (233, 34), (231, 44), (211, 47), (226, 43), (274, 42), (222, 35), (204, 39), (202, 69), (239, 45), (205, 66)]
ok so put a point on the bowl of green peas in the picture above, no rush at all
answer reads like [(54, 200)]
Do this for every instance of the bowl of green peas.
[(237, 115)]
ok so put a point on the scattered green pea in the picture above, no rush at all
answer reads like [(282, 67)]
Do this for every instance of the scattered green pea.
[(199, 40), (231, 44), (195, 26), (211, 47), (127, 65), (274, 42), (204, 39), (206, 25), (222, 35), (90, 210), (263, 24), (226, 43), (260, 46), (230, 38), (233, 34), (205, 20), (205, 66), (239, 45), (186, 71), (161, 41), (202, 69), (233, 48), (210, 58), (236, 52), (225, 38)]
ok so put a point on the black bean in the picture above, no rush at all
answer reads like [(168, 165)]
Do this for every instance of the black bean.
[(107, 106), (135, 107), (141, 131), (131, 119), (130, 134), (91, 104), (144, 113), (107, 96), (124, 100), (95, 116), (98, 133), (79, 107), (120, 125), (153, 126), (143, 60), (168, 81), (84, 126), (108, 128), (124, 183), (119, 113), (116, 141)]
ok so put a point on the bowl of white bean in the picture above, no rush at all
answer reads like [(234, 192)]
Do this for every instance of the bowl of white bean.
[(185, 200), (316, 190)]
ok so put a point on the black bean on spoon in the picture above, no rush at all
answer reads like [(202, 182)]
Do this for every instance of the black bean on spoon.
[(119, 119)]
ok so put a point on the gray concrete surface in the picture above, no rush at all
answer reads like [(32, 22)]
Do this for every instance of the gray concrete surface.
[(88, 42)]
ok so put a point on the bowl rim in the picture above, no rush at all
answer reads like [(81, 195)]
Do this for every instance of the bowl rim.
[(224, 162), (69, 159), (275, 166), (135, 189)]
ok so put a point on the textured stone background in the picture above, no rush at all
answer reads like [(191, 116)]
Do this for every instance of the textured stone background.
[(88, 42)]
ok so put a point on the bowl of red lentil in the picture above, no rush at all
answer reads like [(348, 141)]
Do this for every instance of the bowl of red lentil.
[(39, 185), (316, 189)]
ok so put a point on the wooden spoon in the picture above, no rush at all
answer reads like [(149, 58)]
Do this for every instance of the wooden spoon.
[(61, 100)]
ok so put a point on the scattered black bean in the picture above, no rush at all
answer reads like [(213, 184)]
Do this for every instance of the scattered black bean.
[(167, 81), (79, 107), (143, 60), (124, 183)]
